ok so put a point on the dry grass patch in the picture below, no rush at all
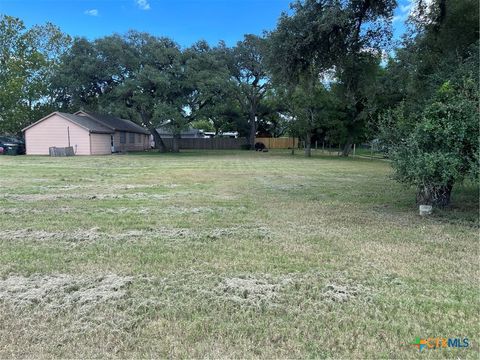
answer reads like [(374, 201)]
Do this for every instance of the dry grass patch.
[(229, 254), (251, 290), (340, 293), (41, 235), (62, 291)]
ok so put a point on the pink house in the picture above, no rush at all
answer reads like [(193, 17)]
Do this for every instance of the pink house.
[(88, 133)]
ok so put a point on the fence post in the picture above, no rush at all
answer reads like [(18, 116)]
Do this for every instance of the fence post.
[(354, 150)]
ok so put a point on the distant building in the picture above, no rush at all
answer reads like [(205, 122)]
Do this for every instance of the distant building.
[(190, 133), (88, 133), (230, 134)]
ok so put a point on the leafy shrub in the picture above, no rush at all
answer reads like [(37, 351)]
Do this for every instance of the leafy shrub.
[(443, 147)]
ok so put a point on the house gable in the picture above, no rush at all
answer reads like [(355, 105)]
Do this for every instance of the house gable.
[(56, 131)]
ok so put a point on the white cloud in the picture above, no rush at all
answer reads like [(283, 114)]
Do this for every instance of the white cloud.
[(414, 11), (143, 4), (403, 11), (91, 12), (405, 8), (400, 18)]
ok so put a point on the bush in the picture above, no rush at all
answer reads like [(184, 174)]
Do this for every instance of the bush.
[(245, 146), (443, 147)]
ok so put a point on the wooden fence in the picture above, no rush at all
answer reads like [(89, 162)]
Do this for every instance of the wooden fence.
[(208, 143), (230, 143), (279, 143)]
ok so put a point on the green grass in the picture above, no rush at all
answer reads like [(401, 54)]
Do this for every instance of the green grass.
[(229, 254), (369, 153)]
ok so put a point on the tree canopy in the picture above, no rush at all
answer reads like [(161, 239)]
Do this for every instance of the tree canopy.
[(28, 60), (430, 123), (329, 71)]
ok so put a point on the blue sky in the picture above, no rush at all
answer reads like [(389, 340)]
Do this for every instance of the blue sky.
[(186, 21)]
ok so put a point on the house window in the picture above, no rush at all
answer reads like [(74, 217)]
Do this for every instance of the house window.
[(123, 138), (131, 138)]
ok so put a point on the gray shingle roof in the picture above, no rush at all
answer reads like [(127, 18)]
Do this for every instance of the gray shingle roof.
[(85, 122), (115, 123)]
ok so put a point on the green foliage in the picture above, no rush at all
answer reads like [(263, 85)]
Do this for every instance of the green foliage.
[(310, 103), (273, 119), (442, 46), (225, 115), (358, 95), (323, 34), (206, 79), (443, 147), (28, 59), (248, 71), (431, 91), (338, 40), (204, 125), (145, 78)]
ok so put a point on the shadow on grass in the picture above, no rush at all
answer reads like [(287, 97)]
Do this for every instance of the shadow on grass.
[(464, 207)]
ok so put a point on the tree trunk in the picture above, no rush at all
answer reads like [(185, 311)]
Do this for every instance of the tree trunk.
[(348, 146), (159, 144), (176, 143), (434, 195), (308, 144), (253, 128)]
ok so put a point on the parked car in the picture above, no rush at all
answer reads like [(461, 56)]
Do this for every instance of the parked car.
[(10, 145)]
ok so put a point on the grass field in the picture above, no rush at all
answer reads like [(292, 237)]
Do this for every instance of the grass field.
[(229, 254)]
